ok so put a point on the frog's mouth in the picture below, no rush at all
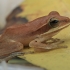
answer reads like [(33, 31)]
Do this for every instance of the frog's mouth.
[(55, 30)]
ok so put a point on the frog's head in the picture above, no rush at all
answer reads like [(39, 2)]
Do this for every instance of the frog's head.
[(55, 20), (56, 23)]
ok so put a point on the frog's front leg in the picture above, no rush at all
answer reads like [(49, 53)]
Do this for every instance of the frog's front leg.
[(42, 44)]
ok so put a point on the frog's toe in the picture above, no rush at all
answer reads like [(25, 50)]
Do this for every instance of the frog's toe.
[(53, 40)]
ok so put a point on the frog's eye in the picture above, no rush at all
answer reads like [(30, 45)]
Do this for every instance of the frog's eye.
[(53, 22)]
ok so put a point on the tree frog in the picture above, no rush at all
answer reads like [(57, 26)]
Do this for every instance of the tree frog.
[(34, 34)]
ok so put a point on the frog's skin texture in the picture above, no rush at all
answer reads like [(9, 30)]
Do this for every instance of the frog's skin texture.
[(34, 34)]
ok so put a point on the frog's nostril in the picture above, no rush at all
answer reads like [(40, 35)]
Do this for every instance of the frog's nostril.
[(67, 19), (35, 41)]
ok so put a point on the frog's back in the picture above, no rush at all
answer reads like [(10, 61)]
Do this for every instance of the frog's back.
[(24, 29)]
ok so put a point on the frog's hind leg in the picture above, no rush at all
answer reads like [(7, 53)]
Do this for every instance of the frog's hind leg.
[(9, 46), (47, 45)]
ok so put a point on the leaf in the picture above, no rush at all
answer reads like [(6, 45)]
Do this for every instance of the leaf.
[(37, 8), (58, 59)]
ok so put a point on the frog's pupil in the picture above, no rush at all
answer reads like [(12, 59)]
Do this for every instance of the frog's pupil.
[(53, 23)]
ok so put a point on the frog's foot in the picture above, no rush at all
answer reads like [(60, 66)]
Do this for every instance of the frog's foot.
[(41, 46), (14, 54), (55, 44)]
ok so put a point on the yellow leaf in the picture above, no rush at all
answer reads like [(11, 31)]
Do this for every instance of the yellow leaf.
[(58, 59), (37, 8)]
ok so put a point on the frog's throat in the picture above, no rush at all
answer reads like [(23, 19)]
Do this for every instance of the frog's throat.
[(55, 29)]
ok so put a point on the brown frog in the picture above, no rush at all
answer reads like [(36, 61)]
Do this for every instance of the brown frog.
[(34, 34)]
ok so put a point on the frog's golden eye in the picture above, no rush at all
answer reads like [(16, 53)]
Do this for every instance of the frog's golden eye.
[(53, 22)]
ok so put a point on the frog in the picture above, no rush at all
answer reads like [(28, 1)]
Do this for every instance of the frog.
[(36, 34)]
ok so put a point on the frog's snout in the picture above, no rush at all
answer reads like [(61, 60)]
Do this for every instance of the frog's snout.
[(69, 19), (66, 20)]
